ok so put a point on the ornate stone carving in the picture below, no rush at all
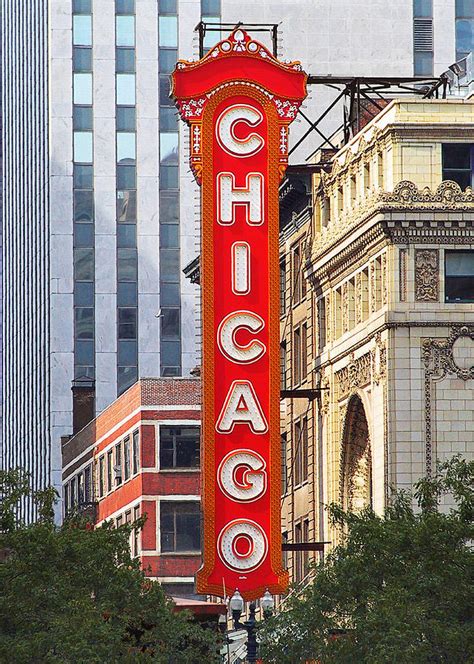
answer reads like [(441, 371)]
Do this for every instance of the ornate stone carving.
[(379, 360), (356, 374), (402, 279), (441, 357), (345, 307), (358, 298), (405, 196), (384, 278), (426, 275), (373, 286)]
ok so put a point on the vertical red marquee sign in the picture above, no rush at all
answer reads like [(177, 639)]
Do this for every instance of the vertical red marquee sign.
[(239, 101)]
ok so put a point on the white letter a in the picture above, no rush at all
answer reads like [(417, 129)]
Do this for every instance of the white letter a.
[(241, 407)]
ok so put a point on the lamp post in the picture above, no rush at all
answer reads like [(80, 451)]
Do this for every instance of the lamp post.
[(236, 606)]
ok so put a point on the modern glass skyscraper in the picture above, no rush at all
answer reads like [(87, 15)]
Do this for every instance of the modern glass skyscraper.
[(100, 211)]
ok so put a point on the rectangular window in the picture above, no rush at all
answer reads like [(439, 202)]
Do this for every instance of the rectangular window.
[(101, 476), (125, 30), (297, 368), (282, 287), (83, 264), (127, 269), (88, 484), (459, 276), (298, 555), (180, 527), (110, 470), (82, 121), (458, 163), (126, 147), (124, 60), (118, 464), (283, 366), (464, 28), (127, 323), (126, 459), (168, 31), (83, 89), (304, 351), (167, 58), (82, 6), (301, 451), (170, 323), (84, 323), (126, 377), (168, 147), (136, 534), (179, 447), (82, 59), (80, 488), (67, 504), (125, 89), (124, 6), (126, 118), (210, 7), (127, 206), (82, 30), (284, 477), (73, 496), (135, 452), (84, 205), (83, 146)]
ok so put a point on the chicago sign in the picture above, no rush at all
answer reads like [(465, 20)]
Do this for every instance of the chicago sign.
[(238, 101)]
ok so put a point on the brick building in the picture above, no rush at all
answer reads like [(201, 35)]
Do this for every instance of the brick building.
[(141, 456)]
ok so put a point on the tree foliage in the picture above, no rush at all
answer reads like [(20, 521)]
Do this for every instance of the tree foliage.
[(73, 594), (398, 589)]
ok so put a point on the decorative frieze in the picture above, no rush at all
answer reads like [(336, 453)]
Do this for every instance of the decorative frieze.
[(451, 355), (355, 375), (426, 275)]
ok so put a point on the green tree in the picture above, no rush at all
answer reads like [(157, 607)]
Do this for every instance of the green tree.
[(72, 593), (398, 589)]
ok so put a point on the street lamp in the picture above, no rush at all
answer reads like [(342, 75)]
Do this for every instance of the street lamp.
[(236, 606)]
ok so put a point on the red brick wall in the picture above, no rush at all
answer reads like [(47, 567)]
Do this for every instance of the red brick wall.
[(147, 446)]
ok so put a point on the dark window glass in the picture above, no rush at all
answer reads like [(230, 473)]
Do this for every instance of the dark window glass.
[(170, 354), (83, 235), (125, 6), (82, 118), (459, 276), (126, 118), (101, 476), (169, 294), (170, 323), (126, 377), (82, 59), (124, 60), (464, 8), (169, 208), (126, 235), (167, 58), (84, 264), (80, 488), (464, 37), (169, 236), (84, 205), (181, 590), (84, 372), (169, 177), (82, 6), (83, 176), (169, 265), (83, 294), (110, 470), (127, 353), (168, 372), (457, 163), (179, 447), (126, 177), (165, 99), (84, 352), (127, 294), (135, 452), (423, 8), (210, 7), (126, 459), (127, 265), (127, 323), (423, 63), (84, 323), (283, 365), (282, 287), (168, 119), (127, 205), (87, 484), (180, 526), (118, 463), (169, 147), (284, 477), (167, 6)]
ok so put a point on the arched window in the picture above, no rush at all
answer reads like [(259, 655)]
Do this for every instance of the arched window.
[(356, 458)]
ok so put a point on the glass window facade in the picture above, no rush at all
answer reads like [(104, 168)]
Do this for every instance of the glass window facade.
[(126, 196), (170, 301), (423, 37), (464, 28), (83, 192)]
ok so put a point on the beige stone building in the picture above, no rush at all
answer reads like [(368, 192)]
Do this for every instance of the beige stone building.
[(377, 265)]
